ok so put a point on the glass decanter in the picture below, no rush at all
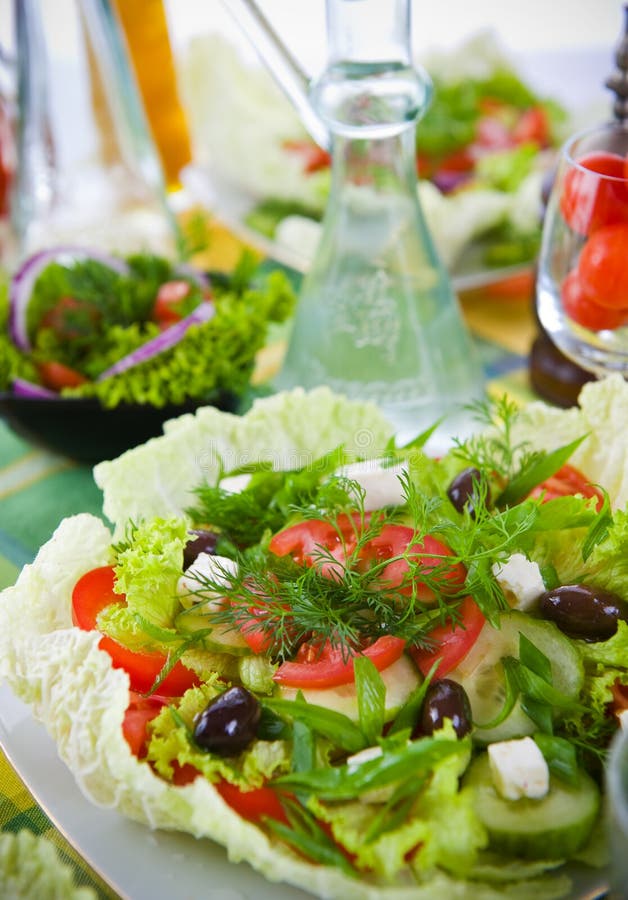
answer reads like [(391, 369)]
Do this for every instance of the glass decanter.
[(377, 318)]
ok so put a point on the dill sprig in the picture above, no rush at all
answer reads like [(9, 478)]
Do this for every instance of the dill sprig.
[(346, 597)]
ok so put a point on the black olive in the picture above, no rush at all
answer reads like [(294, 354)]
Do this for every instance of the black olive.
[(445, 699), (229, 723), (582, 611), (464, 490), (201, 541)]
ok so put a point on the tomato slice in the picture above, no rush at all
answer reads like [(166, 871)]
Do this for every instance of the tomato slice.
[(253, 805), (453, 640), (92, 593), (56, 375), (140, 711), (167, 308), (312, 541), (430, 553), (567, 481), (532, 127), (322, 667), (314, 158)]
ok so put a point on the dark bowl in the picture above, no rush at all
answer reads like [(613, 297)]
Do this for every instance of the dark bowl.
[(83, 430)]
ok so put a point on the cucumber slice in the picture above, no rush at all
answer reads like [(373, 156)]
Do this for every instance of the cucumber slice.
[(482, 676), (400, 680), (554, 827), (223, 638)]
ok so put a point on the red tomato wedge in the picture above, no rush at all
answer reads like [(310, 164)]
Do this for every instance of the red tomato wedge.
[(452, 642), (313, 541), (255, 805), (140, 711), (313, 157), (316, 667), (567, 481), (92, 593), (56, 375), (430, 554), (170, 295)]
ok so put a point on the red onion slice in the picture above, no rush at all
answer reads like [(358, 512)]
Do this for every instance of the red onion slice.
[(24, 388), (24, 279), (164, 341)]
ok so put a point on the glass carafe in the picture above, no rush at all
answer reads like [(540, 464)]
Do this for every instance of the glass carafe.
[(87, 172), (377, 318)]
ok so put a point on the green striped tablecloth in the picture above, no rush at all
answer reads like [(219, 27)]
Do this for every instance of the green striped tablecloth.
[(38, 489)]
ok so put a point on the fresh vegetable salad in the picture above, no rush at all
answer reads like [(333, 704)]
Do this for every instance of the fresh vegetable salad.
[(366, 671), (141, 329)]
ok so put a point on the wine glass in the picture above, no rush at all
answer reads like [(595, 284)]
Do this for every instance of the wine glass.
[(582, 282)]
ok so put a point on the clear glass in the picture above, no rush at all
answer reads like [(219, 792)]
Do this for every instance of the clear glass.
[(617, 814), (582, 285), (87, 171), (377, 318)]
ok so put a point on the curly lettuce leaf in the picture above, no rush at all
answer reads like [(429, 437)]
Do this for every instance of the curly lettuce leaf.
[(148, 567)]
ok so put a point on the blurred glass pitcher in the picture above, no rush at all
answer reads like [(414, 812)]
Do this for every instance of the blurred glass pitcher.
[(87, 170), (377, 318)]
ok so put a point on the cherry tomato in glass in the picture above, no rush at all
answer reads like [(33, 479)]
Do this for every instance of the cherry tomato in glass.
[(56, 376), (566, 482), (595, 192), (430, 554), (167, 308), (254, 805), (452, 641), (603, 269), (92, 593), (584, 311), (327, 666)]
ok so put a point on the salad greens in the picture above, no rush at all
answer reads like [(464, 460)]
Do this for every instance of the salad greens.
[(84, 318), (344, 789)]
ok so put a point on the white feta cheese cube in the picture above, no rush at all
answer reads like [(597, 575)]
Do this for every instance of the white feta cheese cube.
[(521, 580), (233, 484), (380, 483), (518, 769), (218, 569)]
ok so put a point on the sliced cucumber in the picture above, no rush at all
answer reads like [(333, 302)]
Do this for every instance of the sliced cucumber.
[(482, 675), (221, 639), (554, 827), (400, 680)]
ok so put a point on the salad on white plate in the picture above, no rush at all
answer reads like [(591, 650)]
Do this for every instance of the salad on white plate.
[(366, 671), (483, 149)]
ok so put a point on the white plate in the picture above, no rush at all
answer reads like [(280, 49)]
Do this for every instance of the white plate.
[(134, 860)]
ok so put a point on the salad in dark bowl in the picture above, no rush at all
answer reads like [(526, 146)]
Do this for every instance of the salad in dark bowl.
[(98, 351)]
